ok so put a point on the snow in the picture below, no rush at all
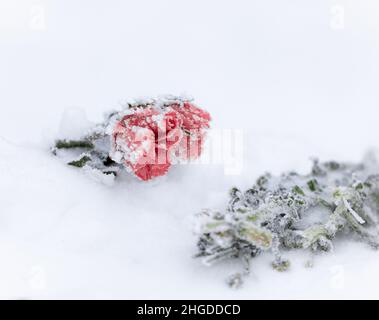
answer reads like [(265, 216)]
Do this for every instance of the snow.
[(294, 83)]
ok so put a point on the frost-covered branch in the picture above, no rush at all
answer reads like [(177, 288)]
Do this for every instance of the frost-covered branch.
[(293, 211)]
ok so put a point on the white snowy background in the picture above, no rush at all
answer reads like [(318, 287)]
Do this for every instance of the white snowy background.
[(299, 77)]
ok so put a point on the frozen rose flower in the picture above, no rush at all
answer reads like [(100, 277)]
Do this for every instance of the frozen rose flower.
[(142, 141), (148, 139)]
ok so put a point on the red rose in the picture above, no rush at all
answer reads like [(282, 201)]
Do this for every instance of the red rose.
[(145, 140)]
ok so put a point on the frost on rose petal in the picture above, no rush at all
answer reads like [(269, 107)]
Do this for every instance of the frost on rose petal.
[(146, 138), (293, 211)]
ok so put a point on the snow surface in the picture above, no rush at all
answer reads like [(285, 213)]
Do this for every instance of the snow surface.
[(281, 71)]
